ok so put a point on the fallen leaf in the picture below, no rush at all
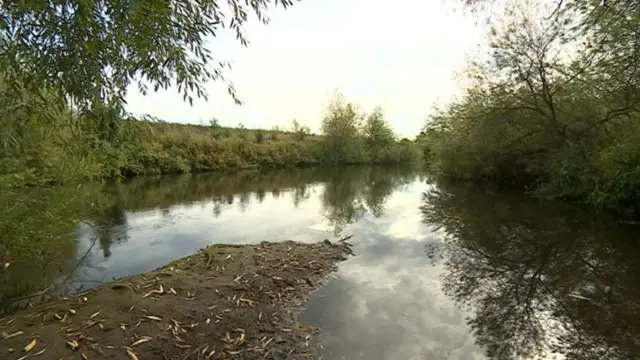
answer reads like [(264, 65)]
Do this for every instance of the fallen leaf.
[(151, 317), (267, 342), (84, 356), (172, 291), (159, 292), (24, 357), (30, 345), (73, 312), (142, 340), (94, 314), (6, 265), (73, 344), (9, 336), (40, 352), (131, 354)]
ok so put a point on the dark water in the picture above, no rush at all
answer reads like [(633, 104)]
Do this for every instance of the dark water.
[(444, 271)]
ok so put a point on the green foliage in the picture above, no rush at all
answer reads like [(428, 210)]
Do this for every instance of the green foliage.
[(341, 129), (378, 137), (141, 147), (542, 114), (34, 229), (112, 43), (259, 137), (351, 137), (299, 130)]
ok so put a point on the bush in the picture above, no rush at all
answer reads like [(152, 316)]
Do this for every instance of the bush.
[(259, 137)]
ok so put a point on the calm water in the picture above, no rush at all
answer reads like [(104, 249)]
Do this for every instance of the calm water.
[(444, 271)]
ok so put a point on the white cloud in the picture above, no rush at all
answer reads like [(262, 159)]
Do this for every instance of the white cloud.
[(399, 55)]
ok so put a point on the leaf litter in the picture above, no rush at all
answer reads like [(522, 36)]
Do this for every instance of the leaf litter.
[(226, 302)]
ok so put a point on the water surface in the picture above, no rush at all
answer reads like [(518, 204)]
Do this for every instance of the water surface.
[(443, 271)]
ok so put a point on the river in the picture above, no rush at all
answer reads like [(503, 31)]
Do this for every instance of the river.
[(443, 271)]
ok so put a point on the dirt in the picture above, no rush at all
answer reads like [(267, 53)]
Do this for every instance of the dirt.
[(226, 302)]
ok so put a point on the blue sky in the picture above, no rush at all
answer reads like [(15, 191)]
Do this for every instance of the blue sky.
[(401, 55)]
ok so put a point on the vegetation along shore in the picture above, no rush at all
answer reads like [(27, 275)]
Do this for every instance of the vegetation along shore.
[(48, 148), (552, 108)]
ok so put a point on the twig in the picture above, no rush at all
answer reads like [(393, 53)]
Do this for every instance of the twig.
[(344, 239), (95, 239), (208, 259), (42, 292), (38, 293)]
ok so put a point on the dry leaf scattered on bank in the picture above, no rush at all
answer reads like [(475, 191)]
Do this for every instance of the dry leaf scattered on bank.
[(9, 336), (131, 354), (142, 340), (73, 345), (30, 345)]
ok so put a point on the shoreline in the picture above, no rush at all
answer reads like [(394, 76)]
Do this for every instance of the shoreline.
[(226, 301)]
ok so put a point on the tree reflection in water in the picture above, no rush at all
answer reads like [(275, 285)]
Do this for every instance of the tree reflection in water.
[(56, 246), (538, 276), (351, 192)]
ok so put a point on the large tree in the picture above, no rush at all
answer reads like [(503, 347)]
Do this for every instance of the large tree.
[(91, 50)]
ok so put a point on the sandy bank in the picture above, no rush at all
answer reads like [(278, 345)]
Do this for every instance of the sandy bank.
[(226, 302)]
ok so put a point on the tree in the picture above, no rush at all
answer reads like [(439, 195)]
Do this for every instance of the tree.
[(555, 105), (340, 127), (299, 130), (90, 51), (378, 136)]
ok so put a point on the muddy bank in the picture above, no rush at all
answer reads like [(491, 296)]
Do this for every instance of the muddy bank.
[(226, 302)]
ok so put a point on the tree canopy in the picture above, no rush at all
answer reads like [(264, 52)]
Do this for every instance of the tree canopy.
[(92, 50), (555, 103)]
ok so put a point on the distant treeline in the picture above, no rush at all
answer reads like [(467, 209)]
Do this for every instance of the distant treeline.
[(44, 142)]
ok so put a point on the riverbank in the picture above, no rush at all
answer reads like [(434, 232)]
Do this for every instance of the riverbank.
[(105, 146), (227, 301)]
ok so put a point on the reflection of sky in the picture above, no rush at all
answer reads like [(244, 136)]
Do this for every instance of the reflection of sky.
[(385, 303)]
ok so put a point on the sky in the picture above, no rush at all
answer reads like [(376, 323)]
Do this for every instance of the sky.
[(401, 55)]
